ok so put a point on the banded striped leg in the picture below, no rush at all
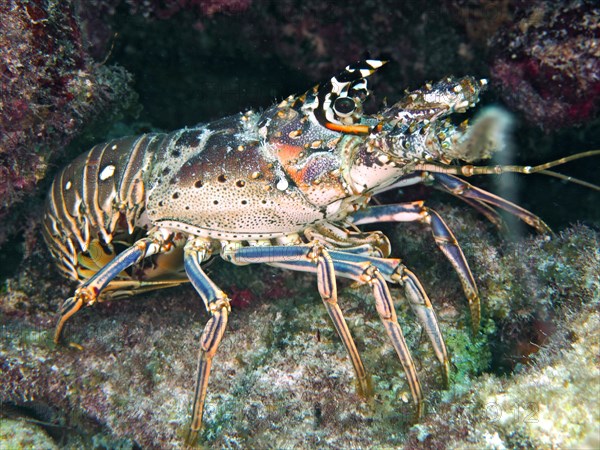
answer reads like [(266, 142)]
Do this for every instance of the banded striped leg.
[(394, 271), (296, 258), (311, 258), (328, 290), (217, 304), (422, 307), (387, 313), (444, 239), (463, 190), (88, 292), (490, 213)]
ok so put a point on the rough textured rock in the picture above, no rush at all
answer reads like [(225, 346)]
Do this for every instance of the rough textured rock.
[(281, 378), (51, 89), (547, 62), (16, 434)]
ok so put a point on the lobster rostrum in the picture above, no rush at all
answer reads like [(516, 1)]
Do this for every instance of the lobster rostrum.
[(286, 187)]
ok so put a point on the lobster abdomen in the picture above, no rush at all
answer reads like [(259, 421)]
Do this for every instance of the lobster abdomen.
[(100, 195)]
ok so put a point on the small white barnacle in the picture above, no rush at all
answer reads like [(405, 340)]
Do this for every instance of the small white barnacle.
[(107, 172), (282, 184), (383, 158), (68, 185), (114, 147)]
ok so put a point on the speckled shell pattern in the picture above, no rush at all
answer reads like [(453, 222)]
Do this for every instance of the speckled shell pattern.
[(244, 177), (224, 181)]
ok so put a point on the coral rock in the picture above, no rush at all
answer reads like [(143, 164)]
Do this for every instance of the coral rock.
[(547, 62)]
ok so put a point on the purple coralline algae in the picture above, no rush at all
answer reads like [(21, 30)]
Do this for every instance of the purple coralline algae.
[(50, 90), (547, 62)]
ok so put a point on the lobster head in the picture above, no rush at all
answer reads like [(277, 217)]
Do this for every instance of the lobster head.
[(377, 149)]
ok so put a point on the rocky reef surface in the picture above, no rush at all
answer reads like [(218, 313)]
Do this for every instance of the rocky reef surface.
[(77, 73), (51, 90), (283, 380), (547, 62)]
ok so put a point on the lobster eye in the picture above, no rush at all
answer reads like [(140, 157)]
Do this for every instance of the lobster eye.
[(344, 106)]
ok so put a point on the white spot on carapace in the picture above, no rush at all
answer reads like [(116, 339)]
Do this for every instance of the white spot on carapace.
[(114, 147), (282, 184), (107, 172), (68, 185)]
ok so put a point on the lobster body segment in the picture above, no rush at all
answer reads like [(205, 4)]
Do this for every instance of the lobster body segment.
[(220, 181), (287, 187)]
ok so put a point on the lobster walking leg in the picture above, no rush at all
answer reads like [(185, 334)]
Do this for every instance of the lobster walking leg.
[(395, 272), (387, 313), (328, 291), (312, 258), (217, 304), (297, 257), (490, 213), (88, 292), (444, 239), (462, 189), (421, 304)]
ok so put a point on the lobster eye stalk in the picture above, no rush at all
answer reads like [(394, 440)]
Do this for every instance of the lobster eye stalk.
[(470, 170)]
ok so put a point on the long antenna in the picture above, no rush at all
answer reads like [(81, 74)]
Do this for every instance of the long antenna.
[(470, 170)]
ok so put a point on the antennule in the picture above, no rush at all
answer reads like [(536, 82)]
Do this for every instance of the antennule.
[(470, 170)]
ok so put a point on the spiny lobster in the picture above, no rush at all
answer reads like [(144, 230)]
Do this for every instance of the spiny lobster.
[(286, 187)]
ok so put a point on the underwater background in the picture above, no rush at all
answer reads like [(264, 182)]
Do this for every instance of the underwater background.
[(76, 73)]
